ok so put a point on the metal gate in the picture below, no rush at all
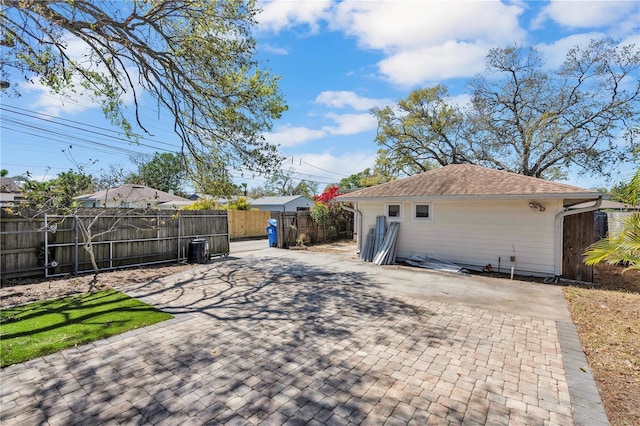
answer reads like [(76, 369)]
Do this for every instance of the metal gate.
[(117, 238)]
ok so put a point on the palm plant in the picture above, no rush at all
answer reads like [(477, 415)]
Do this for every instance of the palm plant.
[(624, 247)]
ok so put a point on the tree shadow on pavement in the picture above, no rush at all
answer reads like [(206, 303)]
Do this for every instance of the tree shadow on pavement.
[(273, 341)]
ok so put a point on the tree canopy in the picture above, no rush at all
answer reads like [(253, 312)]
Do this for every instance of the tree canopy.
[(524, 118), (196, 58), (165, 171), (59, 191)]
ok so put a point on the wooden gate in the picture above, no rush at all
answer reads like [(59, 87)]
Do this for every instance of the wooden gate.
[(577, 235)]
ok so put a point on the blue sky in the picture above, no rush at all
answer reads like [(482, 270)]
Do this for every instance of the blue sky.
[(336, 60)]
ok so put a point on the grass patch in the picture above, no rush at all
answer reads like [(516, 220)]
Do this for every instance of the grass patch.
[(41, 328)]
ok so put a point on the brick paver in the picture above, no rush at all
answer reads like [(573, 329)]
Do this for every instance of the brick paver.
[(279, 343)]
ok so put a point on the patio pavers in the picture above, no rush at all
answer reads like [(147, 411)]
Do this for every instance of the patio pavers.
[(271, 340)]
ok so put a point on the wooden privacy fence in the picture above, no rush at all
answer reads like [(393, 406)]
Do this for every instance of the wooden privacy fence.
[(53, 244), (294, 228), (248, 223)]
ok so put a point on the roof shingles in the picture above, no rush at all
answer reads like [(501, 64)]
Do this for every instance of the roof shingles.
[(467, 180)]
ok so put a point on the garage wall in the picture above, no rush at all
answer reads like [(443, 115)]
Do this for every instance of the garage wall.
[(477, 232)]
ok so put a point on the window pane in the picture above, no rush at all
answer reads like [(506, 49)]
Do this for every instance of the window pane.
[(394, 210), (422, 210)]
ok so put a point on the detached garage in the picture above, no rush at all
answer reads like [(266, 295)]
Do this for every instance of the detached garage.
[(474, 216)]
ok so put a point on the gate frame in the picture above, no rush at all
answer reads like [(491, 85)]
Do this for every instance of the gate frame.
[(179, 239)]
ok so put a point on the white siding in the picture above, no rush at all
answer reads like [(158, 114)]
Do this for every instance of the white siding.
[(478, 232)]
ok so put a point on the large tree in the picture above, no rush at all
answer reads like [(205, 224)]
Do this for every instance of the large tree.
[(282, 183), (214, 180), (421, 132), (164, 171), (524, 118), (196, 58), (59, 191)]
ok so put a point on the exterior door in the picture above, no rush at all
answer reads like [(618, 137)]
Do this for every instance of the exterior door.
[(577, 235)]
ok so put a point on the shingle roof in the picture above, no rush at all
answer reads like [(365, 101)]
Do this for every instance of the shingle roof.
[(276, 201), (466, 180), (8, 185), (132, 193)]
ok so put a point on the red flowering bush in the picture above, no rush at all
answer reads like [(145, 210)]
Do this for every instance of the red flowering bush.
[(327, 195)]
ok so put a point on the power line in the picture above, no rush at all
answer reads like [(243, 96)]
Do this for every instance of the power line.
[(89, 128), (325, 170)]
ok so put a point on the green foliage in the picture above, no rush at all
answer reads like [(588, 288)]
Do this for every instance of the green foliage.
[(282, 183), (196, 58), (203, 204), (165, 172), (622, 248), (41, 328), (240, 203), (420, 132), (58, 192), (523, 118), (320, 213), (213, 179), (368, 177)]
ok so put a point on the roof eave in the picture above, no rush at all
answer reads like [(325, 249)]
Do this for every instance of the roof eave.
[(568, 195)]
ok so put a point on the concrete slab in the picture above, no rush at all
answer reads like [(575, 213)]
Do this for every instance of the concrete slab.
[(275, 337)]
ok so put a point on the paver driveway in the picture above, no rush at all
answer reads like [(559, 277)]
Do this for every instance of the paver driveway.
[(311, 339)]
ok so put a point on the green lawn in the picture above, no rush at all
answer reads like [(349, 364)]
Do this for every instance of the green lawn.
[(41, 328)]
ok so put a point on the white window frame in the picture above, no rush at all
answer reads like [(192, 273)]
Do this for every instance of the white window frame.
[(394, 218), (415, 217)]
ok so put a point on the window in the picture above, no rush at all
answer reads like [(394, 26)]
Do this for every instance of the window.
[(422, 212), (394, 211)]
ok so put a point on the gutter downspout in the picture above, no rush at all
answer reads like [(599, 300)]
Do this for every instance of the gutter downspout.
[(559, 229), (357, 214)]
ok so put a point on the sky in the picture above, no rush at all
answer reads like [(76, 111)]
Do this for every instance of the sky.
[(336, 61)]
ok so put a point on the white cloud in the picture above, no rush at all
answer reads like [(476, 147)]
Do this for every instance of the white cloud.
[(448, 60), (389, 26), (331, 168), (463, 100), (347, 124), (423, 40), (348, 99), (584, 14), (555, 53), (430, 40), (288, 136), (81, 100), (350, 124), (278, 15), (275, 50)]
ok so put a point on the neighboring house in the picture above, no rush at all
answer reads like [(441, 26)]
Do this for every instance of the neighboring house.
[(131, 196), (9, 191), (474, 216), (292, 203)]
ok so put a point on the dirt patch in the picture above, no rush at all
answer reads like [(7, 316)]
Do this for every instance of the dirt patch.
[(22, 291), (608, 323), (607, 317)]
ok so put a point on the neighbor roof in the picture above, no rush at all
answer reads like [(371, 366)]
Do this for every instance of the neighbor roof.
[(132, 193), (276, 201), (8, 185), (466, 180)]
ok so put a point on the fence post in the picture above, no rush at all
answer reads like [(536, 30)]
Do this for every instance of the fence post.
[(46, 245), (75, 246)]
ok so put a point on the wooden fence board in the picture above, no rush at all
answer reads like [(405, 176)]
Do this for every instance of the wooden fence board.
[(248, 223), (133, 237)]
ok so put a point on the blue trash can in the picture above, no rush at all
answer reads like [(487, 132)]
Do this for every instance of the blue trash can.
[(272, 233)]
